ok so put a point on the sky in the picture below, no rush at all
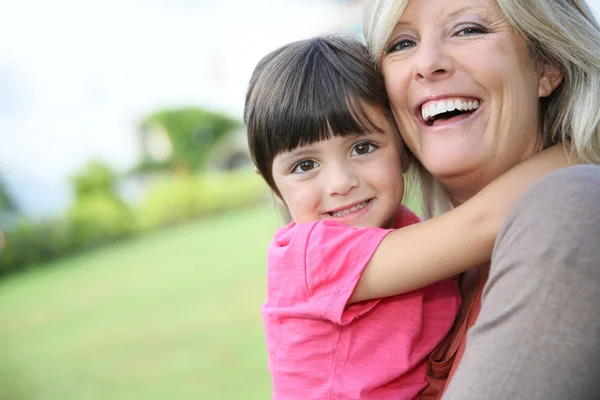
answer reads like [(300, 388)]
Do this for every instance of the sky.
[(77, 76)]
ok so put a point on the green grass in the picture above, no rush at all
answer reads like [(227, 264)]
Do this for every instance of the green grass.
[(175, 315)]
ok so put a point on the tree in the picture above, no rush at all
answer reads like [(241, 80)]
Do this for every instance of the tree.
[(6, 201), (98, 214), (191, 131)]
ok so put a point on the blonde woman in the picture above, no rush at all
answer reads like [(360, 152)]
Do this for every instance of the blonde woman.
[(476, 87)]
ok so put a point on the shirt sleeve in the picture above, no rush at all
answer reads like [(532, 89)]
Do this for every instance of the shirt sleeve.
[(407, 217), (336, 255)]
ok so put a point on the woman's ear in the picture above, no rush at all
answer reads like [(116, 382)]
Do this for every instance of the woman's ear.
[(550, 78)]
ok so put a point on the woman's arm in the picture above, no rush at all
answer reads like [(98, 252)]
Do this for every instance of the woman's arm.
[(537, 335), (418, 255)]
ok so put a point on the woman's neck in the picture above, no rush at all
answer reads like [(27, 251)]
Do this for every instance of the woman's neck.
[(461, 187)]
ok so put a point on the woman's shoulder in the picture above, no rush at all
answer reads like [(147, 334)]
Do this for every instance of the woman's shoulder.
[(568, 190), (562, 209)]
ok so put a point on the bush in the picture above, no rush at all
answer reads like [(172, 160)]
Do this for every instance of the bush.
[(168, 202), (223, 191), (182, 198), (97, 178), (29, 243), (98, 219), (98, 215)]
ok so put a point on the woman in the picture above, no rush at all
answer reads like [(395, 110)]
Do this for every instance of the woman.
[(477, 86)]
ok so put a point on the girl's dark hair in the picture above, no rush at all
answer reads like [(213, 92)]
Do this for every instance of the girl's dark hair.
[(309, 91)]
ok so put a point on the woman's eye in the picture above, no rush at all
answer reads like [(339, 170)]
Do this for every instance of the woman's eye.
[(363, 148), (401, 45), (472, 30), (304, 166)]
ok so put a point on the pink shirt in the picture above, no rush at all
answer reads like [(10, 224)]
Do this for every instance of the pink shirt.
[(319, 348)]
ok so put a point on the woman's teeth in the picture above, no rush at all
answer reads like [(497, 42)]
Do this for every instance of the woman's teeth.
[(349, 210), (433, 108)]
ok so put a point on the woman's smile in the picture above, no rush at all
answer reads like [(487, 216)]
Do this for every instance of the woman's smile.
[(447, 110)]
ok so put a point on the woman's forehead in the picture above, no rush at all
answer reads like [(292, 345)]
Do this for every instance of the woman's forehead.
[(448, 10)]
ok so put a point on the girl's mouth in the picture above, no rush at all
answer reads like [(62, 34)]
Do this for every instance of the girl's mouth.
[(350, 210)]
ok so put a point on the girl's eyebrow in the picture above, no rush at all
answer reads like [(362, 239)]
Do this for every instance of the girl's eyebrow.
[(311, 150), (298, 152)]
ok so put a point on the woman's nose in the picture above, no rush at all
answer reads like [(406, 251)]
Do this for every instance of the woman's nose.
[(341, 179), (432, 61)]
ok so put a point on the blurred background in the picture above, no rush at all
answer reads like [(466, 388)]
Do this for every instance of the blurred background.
[(135, 228)]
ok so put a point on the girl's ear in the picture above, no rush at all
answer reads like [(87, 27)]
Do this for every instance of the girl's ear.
[(279, 200), (280, 204)]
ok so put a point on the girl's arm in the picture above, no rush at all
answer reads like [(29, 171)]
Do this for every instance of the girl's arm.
[(421, 254)]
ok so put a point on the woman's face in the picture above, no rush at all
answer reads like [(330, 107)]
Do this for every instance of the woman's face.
[(465, 91)]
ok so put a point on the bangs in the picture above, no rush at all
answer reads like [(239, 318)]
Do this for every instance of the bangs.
[(319, 118)]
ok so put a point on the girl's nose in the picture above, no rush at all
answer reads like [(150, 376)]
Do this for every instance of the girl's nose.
[(342, 179)]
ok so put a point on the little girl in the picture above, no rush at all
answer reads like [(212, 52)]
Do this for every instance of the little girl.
[(355, 304)]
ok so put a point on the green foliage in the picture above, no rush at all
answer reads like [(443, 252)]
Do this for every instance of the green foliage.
[(97, 219), (192, 131), (186, 197), (96, 179), (149, 166), (6, 202), (170, 201), (30, 243), (98, 216)]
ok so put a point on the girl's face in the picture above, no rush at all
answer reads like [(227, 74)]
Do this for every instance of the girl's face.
[(356, 180), (465, 91)]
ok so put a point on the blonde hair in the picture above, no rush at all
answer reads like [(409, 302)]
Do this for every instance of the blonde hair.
[(563, 33)]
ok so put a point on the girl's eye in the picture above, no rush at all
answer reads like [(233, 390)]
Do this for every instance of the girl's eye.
[(304, 166), (363, 148), (401, 45), (472, 30)]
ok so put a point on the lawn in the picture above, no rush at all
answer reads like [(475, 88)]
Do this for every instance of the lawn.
[(174, 315)]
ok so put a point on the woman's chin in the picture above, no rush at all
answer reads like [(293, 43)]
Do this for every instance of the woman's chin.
[(453, 164)]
